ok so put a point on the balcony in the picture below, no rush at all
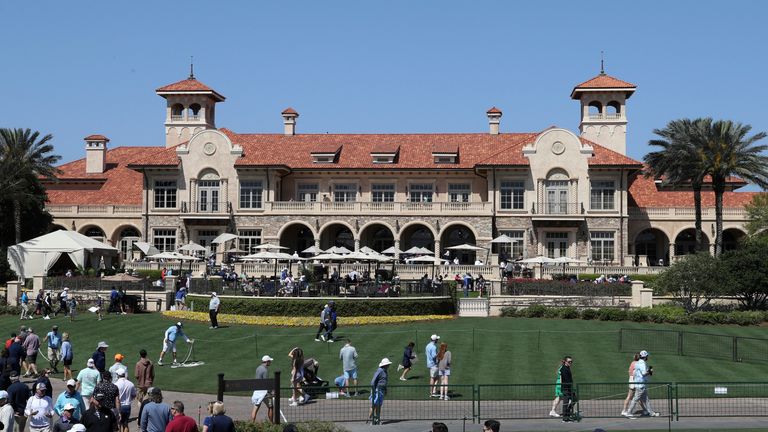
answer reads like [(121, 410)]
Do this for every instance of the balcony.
[(94, 210), (377, 208), (605, 116), (558, 208), (206, 209), (677, 213)]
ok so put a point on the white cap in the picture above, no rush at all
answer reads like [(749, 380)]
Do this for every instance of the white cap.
[(120, 372), (213, 293), (384, 362), (3, 394), (434, 337), (90, 362), (68, 407), (72, 383), (643, 353), (266, 358), (77, 428)]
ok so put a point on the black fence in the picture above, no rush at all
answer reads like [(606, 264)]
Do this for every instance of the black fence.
[(694, 344), (271, 288), (82, 283)]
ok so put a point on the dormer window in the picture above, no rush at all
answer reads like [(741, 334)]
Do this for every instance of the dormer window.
[(385, 153), (326, 154), (445, 159), (445, 153)]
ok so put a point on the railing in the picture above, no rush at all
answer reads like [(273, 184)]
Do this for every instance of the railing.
[(91, 209), (177, 117), (685, 212), (694, 344), (358, 207), (601, 269), (605, 116), (217, 207), (255, 287), (558, 208), (404, 271)]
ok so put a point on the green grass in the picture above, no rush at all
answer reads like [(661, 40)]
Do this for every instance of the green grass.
[(485, 350)]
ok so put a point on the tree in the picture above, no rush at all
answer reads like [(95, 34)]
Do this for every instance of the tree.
[(757, 213), (750, 263), (29, 158), (694, 281), (727, 151), (679, 162)]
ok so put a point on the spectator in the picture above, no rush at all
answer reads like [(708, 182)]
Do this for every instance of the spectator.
[(491, 426), (180, 422), (99, 418), (70, 398), (262, 396), (144, 373), (378, 391), (67, 355), (86, 381), (39, 410), (6, 411), (126, 394), (219, 421), (100, 356), (408, 358), (18, 394), (116, 366), (642, 374), (155, 415), (66, 419)]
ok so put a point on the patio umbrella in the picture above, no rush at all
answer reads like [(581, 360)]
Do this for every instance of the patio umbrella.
[(391, 250), (146, 248), (429, 260), (313, 250), (268, 246), (367, 250), (416, 250), (541, 260), (505, 239), (328, 257), (339, 250), (236, 251), (223, 238), (469, 247), (564, 260)]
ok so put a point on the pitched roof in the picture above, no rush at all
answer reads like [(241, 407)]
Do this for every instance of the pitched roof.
[(643, 192), (118, 184), (493, 110), (603, 81), (96, 138), (191, 85)]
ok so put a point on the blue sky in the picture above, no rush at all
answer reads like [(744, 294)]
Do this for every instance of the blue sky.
[(76, 68)]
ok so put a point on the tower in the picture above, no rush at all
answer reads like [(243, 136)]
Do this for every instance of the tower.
[(604, 110), (191, 108)]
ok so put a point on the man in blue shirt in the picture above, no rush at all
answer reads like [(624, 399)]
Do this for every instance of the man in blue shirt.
[(169, 341), (53, 338), (25, 305), (640, 380), (378, 391), (431, 355)]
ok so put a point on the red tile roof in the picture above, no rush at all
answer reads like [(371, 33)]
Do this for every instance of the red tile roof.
[(118, 185), (189, 85), (385, 148), (290, 110), (96, 138), (493, 110), (644, 193), (445, 147), (603, 81)]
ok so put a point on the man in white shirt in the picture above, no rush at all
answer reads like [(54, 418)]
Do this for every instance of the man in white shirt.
[(6, 411), (126, 394), (39, 410), (213, 310)]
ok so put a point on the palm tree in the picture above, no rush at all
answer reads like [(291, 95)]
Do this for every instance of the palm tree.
[(679, 162), (28, 158), (728, 151)]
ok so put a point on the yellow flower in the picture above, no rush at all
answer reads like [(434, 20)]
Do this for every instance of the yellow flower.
[(281, 321)]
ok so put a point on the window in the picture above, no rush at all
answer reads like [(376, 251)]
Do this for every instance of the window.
[(602, 195), (164, 239), (383, 192), (344, 192), (515, 249), (307, 192), (459, 192), (421, 192), (165, 194), (250, 194), (512, 195), (249, 239), (602, 245)]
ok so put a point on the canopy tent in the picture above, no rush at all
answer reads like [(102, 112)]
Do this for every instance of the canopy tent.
[(146, 248), (37, 256)]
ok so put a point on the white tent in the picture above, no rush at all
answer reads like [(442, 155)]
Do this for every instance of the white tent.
[(35, 257), (146, 248)]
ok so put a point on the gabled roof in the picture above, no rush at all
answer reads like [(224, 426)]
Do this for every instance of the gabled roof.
[(189, 85), (603, 82)]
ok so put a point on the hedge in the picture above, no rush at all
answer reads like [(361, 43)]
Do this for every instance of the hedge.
[(669, 314), (344, 307)]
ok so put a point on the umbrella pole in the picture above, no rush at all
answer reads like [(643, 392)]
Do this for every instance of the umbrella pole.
[(274, 278)]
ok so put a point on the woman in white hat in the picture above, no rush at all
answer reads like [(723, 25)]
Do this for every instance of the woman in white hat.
[(378, 391)]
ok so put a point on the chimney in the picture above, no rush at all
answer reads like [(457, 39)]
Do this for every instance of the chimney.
[(95, 154), (289, 121), (494, 118)]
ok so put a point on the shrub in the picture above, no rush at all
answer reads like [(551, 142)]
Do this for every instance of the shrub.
[(589, 314), (612, 314), (638, 315), (510, 312), (552, 312), (152, 274), (534, 311), (569, 312), (345, 307)]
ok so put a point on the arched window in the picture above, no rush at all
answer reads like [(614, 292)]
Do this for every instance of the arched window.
[(208, 193), (613, 110), (194, 112), (556, 193), (595, 109), (177, 112)]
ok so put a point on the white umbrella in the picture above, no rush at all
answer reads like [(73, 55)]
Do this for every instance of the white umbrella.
[(262, 255), (168, 256), (367, 250), (328, 257), (503, 239), (391, 250), (192, 247), (467, 247), (268, 246), (236, 251), (426, 259), (358, 256), (418, 251), (539, 260), (146, 248), (339, 250), (222, 238), (567, 260), (313, 250)]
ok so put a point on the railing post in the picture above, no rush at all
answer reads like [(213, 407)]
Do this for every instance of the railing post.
[(276, 405), (220, 390), (680, 343), (735, 348)]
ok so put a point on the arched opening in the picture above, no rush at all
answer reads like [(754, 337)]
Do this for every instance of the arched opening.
[(95, 232), (208, 193), (595, 109), (337, 235), (377, 237), (296, 237), (685, 242), (417, 235), (193, 113), (652, 245), (613, 109), (454, 236), (732, 237), (126, 238), (177, 111), (556, 193)]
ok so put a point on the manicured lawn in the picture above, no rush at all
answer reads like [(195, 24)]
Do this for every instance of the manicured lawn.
[(485, 351)]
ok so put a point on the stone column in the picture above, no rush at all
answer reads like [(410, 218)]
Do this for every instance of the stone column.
[(38, 282), (671, 253), (397, 248), (170, 290), (13, 288), (641, 296), (437, 249), (357, 244)]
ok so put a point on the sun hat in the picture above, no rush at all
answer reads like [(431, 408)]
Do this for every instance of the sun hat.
[(434, 337), (71, 382), (266, 358), (102, 344), (119, 357), (384, 362), (643, 353)]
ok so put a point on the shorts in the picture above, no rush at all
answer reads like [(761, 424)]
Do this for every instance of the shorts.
[(376, 397), (434, 372), (169, 346), (53, 353), (268, 401), (298, 377), (351, 374), (631, 383), (445, 372), (32, 358), (67, 362), (125, 414)]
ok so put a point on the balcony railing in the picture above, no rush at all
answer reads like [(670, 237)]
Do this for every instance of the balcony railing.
[(209, 207), (605, 116), (357, 207), (558, 208), (684, 212), (91, 209)]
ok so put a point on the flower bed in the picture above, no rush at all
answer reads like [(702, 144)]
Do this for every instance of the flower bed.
[(284, 321)]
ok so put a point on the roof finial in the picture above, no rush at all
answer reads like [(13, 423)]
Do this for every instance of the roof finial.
[(602, 64), (191, 67)]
